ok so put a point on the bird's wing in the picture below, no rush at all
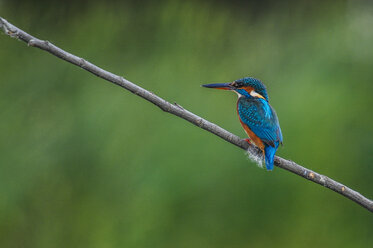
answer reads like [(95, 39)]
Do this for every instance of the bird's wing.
[(261, 118)]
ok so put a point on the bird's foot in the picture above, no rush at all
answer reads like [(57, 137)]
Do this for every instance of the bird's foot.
[(248, 141)]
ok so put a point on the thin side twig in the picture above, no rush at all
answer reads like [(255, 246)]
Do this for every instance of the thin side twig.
[(179, 111)]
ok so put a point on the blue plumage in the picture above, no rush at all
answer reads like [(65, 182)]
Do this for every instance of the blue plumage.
[(269, 153), (255, 83), (257, 116), (262, 120)]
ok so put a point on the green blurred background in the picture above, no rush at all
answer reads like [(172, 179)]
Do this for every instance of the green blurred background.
[(84, 163)]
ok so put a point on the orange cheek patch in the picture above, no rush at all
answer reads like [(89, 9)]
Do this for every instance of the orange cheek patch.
[(252, 92), (247, 88)]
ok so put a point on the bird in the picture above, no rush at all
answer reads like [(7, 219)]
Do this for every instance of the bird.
[(257, 117)]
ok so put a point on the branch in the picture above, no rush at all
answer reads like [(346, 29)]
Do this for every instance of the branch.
[(179, 111)]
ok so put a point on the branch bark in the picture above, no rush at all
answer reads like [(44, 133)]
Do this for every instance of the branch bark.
[(179, 111)]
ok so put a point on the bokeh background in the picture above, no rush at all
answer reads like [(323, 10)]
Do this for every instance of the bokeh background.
[(83, 163)]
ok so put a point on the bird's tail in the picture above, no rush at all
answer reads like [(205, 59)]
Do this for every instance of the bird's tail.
[(269, 153)]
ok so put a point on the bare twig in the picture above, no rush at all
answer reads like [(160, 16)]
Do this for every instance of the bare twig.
[(179, 111)]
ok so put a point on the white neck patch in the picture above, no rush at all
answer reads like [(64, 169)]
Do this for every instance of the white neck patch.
[(253, 93)]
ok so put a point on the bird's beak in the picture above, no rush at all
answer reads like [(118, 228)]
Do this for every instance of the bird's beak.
[(225, 86)]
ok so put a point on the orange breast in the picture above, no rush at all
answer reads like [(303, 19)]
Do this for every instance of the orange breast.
[(253, 138)]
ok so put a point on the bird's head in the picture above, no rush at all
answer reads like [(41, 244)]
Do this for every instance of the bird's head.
[(248, 87)]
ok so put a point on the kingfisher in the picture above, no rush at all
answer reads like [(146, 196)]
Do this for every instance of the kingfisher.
[(257, 117)]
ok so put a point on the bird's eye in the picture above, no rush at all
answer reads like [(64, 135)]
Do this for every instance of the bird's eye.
[(234, 84)]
